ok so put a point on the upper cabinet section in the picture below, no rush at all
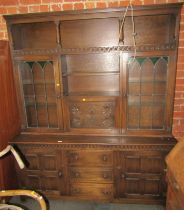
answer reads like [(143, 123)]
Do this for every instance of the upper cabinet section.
[(97, 71), (43, 35), (104, 30), (150, 29), (89, 33)]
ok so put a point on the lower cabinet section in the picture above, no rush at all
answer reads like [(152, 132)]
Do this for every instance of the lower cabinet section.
[(113, 173)]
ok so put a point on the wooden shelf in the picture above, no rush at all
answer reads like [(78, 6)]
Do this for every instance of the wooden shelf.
[(90, 74), (109, 93)]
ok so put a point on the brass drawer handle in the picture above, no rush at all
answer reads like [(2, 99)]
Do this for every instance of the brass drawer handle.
[(105, 176), (60, 174), (106, 193), (122, 176), (76, 191), (105, 158), (76, 174), (76, 157)]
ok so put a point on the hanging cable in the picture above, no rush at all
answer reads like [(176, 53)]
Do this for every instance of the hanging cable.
[(133, 26), (123, 21), (133, 31)]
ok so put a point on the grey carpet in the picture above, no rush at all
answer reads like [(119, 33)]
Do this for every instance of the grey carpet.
[(71, 205)]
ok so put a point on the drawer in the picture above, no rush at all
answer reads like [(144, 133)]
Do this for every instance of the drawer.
[(91, 174), (92, 191), (94, 158)]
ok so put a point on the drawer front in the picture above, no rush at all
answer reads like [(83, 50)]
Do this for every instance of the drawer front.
[(92, 191), (91, 174), (92, 158)]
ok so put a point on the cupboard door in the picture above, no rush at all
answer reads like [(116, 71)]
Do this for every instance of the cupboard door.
[(140, 175), (40, 93), (148, 93), (45, 172)]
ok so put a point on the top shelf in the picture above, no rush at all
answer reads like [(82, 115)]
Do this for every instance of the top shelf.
[(96, 34)]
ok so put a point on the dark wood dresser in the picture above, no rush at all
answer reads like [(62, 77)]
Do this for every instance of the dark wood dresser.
[(175, 177), (96, 109)]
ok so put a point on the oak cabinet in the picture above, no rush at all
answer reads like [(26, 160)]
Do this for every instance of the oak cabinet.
[(96, 100)]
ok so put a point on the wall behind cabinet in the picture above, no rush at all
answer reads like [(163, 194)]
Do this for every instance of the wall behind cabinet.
[(33, 6)]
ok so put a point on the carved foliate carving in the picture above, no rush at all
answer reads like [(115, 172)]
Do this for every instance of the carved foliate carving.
[(118, 147), (92, 115), (124, 48)]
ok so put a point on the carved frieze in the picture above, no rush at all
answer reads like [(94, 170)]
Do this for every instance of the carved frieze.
[(122, 147), (124, 48)]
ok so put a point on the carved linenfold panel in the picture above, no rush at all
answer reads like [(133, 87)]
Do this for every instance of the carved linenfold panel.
[(123, 48), (92, 114)]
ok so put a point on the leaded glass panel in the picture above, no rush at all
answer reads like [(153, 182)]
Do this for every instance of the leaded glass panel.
[(147, 86), (39, 94)]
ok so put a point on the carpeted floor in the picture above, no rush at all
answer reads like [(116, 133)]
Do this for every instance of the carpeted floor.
[(30, 204)]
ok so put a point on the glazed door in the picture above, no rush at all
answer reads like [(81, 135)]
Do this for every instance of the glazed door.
[(41, 94), (149, 93)]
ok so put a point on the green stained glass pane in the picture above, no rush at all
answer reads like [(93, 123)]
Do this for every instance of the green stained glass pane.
[(140, 60), (166, 59), (30, 64), (130, 59), (154, 59), (42, 63)]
